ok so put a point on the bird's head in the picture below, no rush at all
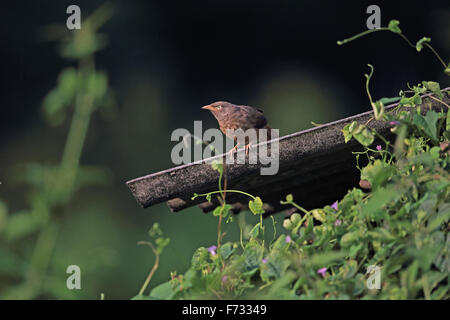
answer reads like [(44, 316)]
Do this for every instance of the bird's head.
[(220, 109)]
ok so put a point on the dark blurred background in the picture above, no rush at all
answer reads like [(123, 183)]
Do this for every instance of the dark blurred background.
[(166, 59)]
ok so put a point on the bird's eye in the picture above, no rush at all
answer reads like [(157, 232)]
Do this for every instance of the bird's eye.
[(219, 107)]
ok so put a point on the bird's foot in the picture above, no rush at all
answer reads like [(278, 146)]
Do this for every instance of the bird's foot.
[(230, 153), (247, 148)]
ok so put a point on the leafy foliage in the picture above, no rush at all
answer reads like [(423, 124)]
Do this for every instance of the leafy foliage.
[(401, 226), (30, 270), (398, 225)]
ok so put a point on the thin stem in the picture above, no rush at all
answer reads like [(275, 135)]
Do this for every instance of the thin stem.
[(274, 229), (235, 191), (241, 225), (359, 35), (387, 143), (306, 216), (426, 288), (439, 100), (368, 77), (223, 193), (436, 54), (295, 205), (261, 227), (79, 126), (154, 268), (68, 169), (407, 40), (219, 230), (216, 294)]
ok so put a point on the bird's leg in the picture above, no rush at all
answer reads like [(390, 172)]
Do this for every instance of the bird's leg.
[(233, 150), (247, 148)]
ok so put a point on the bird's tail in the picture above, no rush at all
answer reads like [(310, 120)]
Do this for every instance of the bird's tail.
[(270, 135)]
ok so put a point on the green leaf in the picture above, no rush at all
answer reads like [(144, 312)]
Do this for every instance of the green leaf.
[(433, 87), (412, 274), (434, 151), (447, 70), (354, 249), (96, 85), (287, 224), (161, 243), (381, 234), (394, 26), (20, 224), (348, 270), (411, 101), (378, 110), (323, 259), (255, 232), (319, 214), (217, 211), (447, 122), (275, 267), (280, 243), (347, 131), (217, 165), (200, 258), (360, 132), (61, 97), (375, 205), (377, 173), (427, 123), (363, 135), (386, 101), (155, 230), (224, 210), (252, 255), (226, 250), (349, 238), (347, 134), (442, 218), (295, 219), (256, 206), (163, 292), (3, 214), (292, 223), (142, 297), (419, 44)]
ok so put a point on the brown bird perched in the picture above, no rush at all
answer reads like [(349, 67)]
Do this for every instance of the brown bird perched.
[(233, 117)]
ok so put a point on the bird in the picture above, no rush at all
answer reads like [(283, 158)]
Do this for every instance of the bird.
[(233, 117)]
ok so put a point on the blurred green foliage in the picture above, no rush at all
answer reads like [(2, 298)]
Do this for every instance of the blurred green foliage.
[(29, 269)]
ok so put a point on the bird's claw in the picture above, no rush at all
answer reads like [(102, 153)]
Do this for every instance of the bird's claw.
[(247, 148), (230, 153)]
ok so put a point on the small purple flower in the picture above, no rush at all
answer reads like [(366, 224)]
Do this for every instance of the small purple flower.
[(394, 123), (335, 205), (337, 223), (224, 279), (264, 260), (379, 148), (322, 272), (288, 239), (212, 250)]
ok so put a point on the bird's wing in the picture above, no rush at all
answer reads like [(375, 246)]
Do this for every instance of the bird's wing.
[(255, 117)]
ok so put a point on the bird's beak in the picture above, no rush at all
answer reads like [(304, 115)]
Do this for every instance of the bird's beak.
[(208, 107)]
